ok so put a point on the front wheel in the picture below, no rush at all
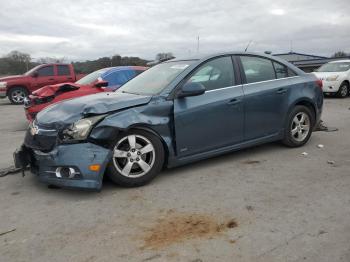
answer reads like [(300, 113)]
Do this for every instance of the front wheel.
[(299, 126), (17, 95), (138, 156), (343, 90)]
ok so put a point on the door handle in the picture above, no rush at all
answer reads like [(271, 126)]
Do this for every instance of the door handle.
[(234, 101), (281, 91), (51, 79)]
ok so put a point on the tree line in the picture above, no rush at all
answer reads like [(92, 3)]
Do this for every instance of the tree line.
[(15, 63)]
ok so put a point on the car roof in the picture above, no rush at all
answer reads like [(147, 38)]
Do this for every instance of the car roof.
[(208, 56), (202, 57)]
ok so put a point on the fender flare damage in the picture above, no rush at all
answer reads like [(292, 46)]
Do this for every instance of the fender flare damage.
[(154, 118)]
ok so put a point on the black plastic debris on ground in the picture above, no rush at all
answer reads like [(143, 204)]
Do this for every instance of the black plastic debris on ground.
[(9, 171)]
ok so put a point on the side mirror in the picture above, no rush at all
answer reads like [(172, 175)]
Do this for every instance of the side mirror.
[(100, 84), (35, 74), (191, 89)]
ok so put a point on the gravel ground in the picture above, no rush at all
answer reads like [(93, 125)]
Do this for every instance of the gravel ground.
[(267, 203)]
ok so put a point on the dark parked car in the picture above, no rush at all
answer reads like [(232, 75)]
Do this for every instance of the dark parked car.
[(175, 113)]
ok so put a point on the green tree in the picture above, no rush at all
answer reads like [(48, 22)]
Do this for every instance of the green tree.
[(340, 54)]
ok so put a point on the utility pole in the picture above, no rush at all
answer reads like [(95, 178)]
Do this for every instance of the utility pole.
[(197, 44), (291, 46)]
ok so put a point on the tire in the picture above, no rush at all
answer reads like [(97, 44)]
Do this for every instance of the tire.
[(343, 90), (129, 166), (17, 95), (298, 130)]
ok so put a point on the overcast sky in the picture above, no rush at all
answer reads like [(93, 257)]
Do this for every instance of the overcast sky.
[(80, 29)]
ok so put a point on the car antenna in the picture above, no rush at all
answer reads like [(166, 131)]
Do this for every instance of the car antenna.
[(250, 41)]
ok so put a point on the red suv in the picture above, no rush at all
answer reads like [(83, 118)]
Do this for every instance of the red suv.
[(103, 80), (19, 86)]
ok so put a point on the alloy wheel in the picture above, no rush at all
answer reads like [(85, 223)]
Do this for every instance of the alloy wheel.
[(301, 126), (133, 156), (343, 90), (18, 96)]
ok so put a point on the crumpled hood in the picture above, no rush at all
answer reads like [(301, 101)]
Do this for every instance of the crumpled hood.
[(69, 111), (51, 90), (14, 77)]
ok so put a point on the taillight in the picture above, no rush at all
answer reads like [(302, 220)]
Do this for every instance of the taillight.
[(319, 83)]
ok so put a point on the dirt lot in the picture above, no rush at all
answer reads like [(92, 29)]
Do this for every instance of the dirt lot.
[(269, 203)]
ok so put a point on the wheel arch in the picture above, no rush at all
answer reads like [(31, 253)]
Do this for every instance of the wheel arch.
[(9, 88), (307, 103), (345, 81), (149, 129)]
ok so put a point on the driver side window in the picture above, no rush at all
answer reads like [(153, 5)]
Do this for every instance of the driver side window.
[(46, 71), (214, 74)]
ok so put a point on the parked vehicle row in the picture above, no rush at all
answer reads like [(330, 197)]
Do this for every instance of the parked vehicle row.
[(174, 113), (17, 87), (103, 80)]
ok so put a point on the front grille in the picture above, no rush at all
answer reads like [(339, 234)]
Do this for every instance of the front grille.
[(40, 142)]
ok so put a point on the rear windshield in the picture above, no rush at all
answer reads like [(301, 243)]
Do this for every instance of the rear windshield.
[(335, 67)]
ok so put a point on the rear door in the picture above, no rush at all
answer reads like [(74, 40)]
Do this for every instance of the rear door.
[(64, 74), (214, 119), (266, 89)]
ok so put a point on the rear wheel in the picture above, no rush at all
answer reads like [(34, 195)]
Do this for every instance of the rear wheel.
[(138, 156), (17, 95), (299, 126), (343, 90)]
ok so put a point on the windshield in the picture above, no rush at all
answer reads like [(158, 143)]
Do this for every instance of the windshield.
[(31, 71), (155, 79), (335, 67), (91, 78)]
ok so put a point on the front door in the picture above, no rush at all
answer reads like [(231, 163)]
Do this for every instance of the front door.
[(46, 76), (214, 119)]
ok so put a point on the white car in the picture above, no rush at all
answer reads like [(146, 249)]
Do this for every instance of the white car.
[(335, 77)]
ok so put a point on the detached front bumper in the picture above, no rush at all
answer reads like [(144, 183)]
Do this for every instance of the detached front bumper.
[(67, 165)]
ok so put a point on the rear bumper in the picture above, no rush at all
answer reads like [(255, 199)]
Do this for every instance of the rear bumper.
[(78, 157)]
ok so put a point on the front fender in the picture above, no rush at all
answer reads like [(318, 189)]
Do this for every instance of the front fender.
[(155, 117)]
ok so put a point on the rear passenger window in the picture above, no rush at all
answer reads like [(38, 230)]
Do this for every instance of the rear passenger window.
[(216, 73), (63, 70), (281, 70), (257, 69)]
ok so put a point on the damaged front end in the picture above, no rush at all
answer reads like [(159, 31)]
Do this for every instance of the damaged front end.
[(70, 163), (58, 147)]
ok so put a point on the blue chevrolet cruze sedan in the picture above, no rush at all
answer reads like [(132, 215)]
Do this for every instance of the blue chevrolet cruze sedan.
[(177, 112)]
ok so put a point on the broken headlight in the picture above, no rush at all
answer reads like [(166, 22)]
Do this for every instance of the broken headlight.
[(80, 129)]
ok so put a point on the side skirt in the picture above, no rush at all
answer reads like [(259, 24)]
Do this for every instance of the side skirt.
[(204, 155)]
